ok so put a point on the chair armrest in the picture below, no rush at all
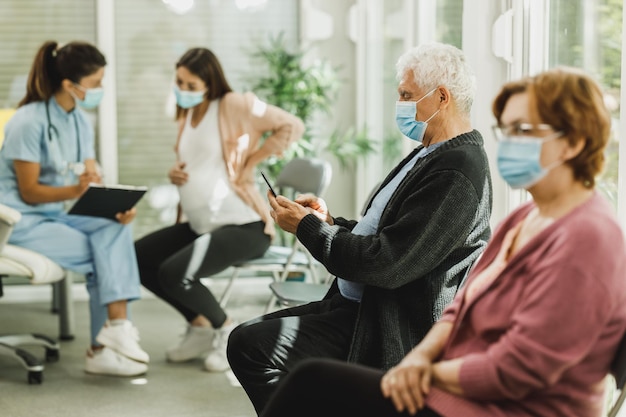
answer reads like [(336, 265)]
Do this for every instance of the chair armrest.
[(9, 215), (8, 218)]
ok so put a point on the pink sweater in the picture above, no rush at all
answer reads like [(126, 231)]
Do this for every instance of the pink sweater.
[(539, 339), (243, 120)]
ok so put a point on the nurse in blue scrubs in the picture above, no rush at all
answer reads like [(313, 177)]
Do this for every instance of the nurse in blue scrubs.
[(48, 159)]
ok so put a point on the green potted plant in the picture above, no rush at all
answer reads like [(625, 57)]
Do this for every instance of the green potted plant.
[(305, 91)]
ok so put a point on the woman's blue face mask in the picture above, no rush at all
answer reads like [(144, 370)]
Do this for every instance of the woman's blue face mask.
[(93, 97), (519, 160), (188, 99)]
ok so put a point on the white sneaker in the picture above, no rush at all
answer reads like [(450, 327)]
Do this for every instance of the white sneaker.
[(197, 342), (216, 360), (106, 361), (122, 338)]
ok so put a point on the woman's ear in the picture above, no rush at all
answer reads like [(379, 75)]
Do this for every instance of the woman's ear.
[(573, 150), (67, 85), (70, 88)]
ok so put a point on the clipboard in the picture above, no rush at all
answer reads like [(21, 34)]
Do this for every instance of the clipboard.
[(107, 200)]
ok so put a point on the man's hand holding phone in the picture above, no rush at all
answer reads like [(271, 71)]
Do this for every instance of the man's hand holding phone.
[(288, 214), (316, 205)]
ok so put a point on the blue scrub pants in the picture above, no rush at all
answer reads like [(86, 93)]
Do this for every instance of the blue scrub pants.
[(102, 249)]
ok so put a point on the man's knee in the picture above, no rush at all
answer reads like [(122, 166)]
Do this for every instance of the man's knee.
[(237, 343)]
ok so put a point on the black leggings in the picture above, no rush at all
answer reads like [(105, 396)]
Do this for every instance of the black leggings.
[(172, 260), (330, 388)]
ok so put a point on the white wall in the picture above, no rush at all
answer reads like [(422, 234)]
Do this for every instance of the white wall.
[(340, 51), (491, 73)]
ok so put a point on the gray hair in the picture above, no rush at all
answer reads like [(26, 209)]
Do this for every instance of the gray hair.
[(435, 64)]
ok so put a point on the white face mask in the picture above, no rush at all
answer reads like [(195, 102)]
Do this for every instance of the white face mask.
[(93, 97), (188, 99)]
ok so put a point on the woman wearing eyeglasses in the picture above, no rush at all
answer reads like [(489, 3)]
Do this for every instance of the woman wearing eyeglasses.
[(47, 159), (534, 330)]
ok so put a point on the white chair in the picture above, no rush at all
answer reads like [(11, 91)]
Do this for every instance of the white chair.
[(300, 175), (20, 262)]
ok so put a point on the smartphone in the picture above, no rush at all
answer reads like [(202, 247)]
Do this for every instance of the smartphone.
[(268, 184)]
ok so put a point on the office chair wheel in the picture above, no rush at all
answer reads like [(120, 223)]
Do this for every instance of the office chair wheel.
[(52, 355), (35, 377)]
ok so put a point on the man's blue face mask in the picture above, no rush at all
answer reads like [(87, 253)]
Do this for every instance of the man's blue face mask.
[(406, 112), (188, 99)]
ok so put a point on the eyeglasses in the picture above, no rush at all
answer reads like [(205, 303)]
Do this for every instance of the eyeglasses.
[(521, 129)]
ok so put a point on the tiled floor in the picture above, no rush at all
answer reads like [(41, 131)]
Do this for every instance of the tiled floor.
[(177, 390), (180, 390)]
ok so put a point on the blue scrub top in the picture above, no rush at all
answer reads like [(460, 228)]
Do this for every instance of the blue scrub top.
[(26, 139)]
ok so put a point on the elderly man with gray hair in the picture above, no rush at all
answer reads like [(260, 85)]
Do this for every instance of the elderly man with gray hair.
[(402, 263)]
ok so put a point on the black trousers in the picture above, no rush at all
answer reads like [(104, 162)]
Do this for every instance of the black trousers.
[(322, 387), (262, 351), (172, 260)]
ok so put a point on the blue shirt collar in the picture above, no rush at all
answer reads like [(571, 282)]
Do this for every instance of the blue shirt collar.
[(57, 111)]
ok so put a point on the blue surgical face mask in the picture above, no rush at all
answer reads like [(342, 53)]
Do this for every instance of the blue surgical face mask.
[(519, 160), (406, 112), (93, 97), (188, 99)]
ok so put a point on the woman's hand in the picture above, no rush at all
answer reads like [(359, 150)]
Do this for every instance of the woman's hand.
[(408, 383), (177, 175), (126, 216), (85, 179), (317, 207), (245, 176)]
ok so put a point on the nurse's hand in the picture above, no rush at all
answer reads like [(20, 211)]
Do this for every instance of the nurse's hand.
[(126, 216), (177, 174), (85, 179)]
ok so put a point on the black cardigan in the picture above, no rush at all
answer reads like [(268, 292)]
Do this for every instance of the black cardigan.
[(433, 228)]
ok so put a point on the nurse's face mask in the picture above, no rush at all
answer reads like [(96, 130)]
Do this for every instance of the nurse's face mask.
[(93, 96)]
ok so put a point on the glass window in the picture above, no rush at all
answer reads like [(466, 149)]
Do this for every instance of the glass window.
[(150, 38), (587, 34), (24, 27)]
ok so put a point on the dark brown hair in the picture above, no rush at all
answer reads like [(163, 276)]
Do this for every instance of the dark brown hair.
[(51, 66), (204, 64), (571, 102)]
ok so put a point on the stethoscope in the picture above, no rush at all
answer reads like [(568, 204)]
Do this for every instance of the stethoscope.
[(52, 128)]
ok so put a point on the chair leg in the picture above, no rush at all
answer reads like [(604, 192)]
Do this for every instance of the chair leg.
[(270, 304), (9, 346), (618, 404), (229, 288), (28, 361), (54, 308), (66, 307), (312, 270)]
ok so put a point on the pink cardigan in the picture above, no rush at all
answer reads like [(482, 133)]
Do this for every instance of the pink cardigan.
[(243, 119), (539, 340)]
